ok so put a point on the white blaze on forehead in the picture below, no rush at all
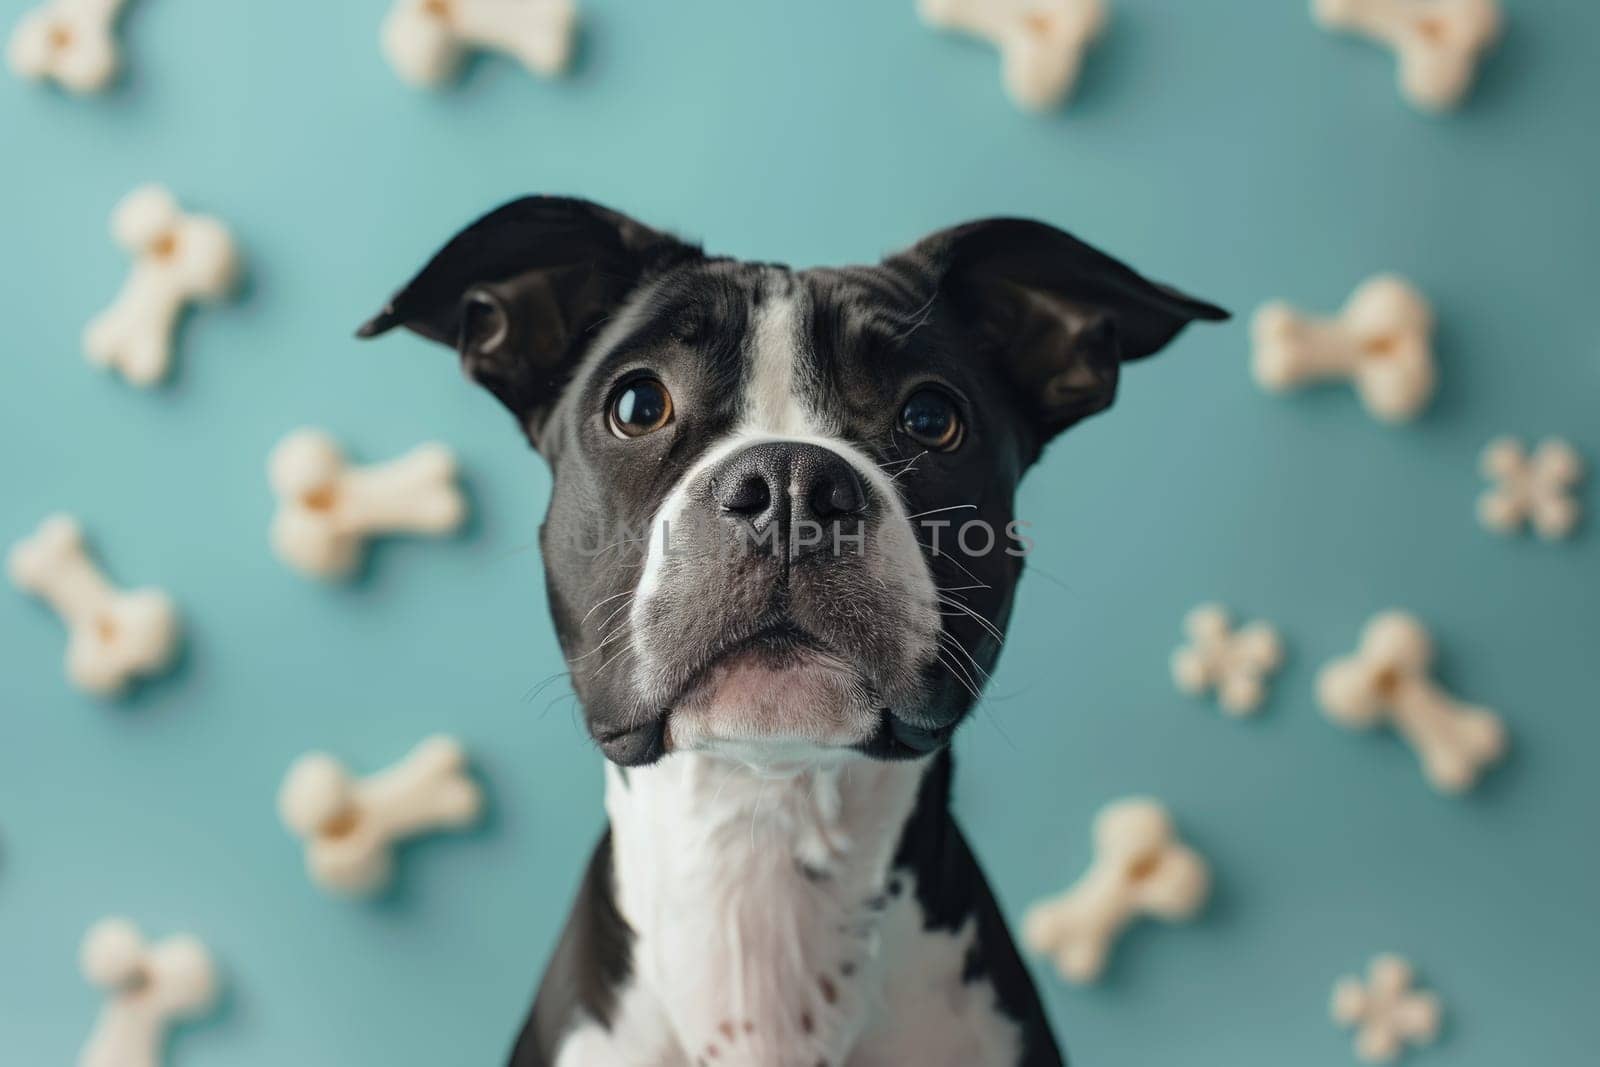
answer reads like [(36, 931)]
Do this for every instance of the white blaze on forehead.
[(772, 401)]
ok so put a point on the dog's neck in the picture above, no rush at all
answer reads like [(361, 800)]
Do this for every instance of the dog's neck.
[(718, 865)]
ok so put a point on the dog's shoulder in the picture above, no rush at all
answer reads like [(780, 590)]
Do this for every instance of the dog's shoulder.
[(953, 908), (590, 966)]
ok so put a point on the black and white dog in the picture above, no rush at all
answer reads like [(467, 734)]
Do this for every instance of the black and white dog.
[(774, 676)]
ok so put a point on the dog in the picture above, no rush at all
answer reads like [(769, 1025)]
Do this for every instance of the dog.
[(774, 670)]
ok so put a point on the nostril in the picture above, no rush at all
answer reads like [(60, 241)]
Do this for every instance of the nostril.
[(835, 496), (748, 495)]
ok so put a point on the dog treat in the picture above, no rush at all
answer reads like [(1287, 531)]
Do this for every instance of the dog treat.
[(1386, 1010), (328, 508), (351, 825), (1140, 868), (70, 42), (1387, 679), (177, 259), (1382, 342), (112, 636), (1041, 42), (1439, 42), (149, 987), (1235, 663), (426, 41), (1531, 490)]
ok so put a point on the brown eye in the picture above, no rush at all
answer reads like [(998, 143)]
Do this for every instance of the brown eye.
[(930, 417), (641, 406)]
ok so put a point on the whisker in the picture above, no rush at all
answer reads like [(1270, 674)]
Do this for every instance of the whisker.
[(902, 461), (1034, 568), (572, 696), (965, 682), (602, 644), (919, 319), (940, 511), (534, 690), (607, 600), (618, 655), (615, 612), (937, 554), (909, 467), (618, 544), (958, 614), (959, 647), (500, 557), (985, 623)]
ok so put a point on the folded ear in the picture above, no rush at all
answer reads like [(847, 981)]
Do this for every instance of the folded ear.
[(1058, 316), (518, 292)]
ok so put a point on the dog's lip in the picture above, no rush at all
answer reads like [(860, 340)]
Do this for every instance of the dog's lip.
[(637, 745), (646, 738), (779, 633), (895, 739), (899, 739)]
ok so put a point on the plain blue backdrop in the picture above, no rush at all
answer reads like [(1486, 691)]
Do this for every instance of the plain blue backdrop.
[(1227, 146)]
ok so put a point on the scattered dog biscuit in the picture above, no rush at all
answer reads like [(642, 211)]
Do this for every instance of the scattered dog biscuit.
[(1042, 42), (1387, 679), (1382, 341), (148, 989), (352, 825), (113, 636), (1140, 868), (426, 41), (1531, 490), (329, 508), (1235, 663), (70, 42), (1439, 42), (178, 259), (1386, 1010)]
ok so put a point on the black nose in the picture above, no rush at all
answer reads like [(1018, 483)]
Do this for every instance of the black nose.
[(808, 492)]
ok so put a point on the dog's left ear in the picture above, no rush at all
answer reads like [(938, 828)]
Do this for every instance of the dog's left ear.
[(1057, 315), (518, 292)]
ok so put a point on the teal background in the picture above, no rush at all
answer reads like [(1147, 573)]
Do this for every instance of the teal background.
[(1228, 146)]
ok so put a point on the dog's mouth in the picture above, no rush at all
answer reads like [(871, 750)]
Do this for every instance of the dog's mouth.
[(776, 644), (773, 691)]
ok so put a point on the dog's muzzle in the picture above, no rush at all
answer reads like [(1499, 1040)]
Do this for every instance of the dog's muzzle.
[(786, 604)]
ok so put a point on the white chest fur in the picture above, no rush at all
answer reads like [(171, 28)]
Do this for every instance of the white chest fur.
[(766, 931), (718, 866)]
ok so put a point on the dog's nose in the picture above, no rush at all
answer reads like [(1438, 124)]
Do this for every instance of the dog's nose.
[(807, 490)]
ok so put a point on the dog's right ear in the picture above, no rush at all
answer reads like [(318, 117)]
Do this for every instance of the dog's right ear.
[(518, 292)]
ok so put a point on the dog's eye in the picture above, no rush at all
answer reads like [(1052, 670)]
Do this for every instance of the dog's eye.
[(641, 406), (930, 417)]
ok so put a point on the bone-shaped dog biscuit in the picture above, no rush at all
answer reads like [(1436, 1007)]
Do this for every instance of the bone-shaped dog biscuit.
[(70, 42), (113, 636), (328, 508), (352, 825), (1439, 42), (426, 41), (178, 259), (1140, 868), (1534, 489), (1382, 341), (1387, 679), (149, 987), (1041, 42), (1386, 1010), (1236, 663)]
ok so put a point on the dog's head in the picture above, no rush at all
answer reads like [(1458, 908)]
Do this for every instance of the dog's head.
[(781, 524)]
